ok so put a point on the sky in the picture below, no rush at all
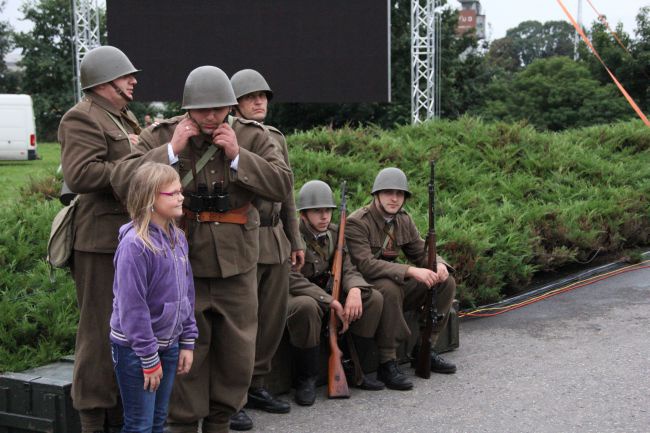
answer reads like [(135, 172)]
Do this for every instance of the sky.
[(501, 15)]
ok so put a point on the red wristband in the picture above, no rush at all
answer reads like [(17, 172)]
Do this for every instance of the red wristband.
[(152, 369)]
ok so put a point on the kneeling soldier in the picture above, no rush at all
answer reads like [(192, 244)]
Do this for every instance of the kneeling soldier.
[(309, 299), (375, 235)]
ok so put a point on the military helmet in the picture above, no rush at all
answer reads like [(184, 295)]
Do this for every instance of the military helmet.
[(315, 194), (391, 178), (208, 87), (104, 64), (248, 81)]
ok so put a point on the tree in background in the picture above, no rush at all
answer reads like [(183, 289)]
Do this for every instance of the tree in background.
[(9, 80), (477, 77), (630, 63), (554, 93), (47, 62), (529, 41)]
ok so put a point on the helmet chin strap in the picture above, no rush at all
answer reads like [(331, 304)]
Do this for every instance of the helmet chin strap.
[(383, 209), (120, 92)]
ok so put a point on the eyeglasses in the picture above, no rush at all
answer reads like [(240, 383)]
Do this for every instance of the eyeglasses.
[(173, 194)]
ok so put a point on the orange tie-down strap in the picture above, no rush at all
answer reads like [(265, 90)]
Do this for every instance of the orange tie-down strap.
[(234, 216), (611, 74)]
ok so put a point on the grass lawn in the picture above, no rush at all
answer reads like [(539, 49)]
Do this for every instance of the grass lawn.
[(16, 174)]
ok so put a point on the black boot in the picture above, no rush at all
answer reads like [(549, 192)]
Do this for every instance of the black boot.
[(261, 398), (241, 421), (307, 374), (392, 377), (438, 363), (362, 346)]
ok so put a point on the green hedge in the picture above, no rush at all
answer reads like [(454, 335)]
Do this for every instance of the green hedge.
[(37, 317), (510, 202)]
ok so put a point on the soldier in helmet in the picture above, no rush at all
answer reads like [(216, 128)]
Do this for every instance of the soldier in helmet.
[(279, 242), (94, 134), (309, 300), (375, 236), (225, 163)]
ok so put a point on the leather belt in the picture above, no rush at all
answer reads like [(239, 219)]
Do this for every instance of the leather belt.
[(233, 216), (271, 221)]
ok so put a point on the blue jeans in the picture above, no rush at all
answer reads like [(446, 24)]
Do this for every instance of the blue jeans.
[(144, 411)]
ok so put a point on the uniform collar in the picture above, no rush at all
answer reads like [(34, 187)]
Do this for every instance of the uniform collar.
[(104, 103), (199, 141), (309, 234), (379, 217)]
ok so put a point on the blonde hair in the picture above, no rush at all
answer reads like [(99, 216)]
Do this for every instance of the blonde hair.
[(145, 186)]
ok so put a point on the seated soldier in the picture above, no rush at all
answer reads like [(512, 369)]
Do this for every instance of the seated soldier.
[(309, 300), (375, 235)]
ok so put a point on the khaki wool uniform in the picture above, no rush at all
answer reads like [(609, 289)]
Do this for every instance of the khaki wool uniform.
[(370, 246), (309, 301), (279, 236), (91, 143), (224, 262)]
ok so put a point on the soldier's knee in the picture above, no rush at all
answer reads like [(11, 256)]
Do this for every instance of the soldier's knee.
[(374, 303), (389, 290), (304, 308)]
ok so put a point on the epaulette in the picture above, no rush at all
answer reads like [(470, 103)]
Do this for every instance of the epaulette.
[(359, 213), (364, 210), (248, 122), (170, 121), (84, 104), (273, 129)]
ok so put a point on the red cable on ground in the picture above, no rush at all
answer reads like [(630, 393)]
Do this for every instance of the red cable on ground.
[(568, 288)]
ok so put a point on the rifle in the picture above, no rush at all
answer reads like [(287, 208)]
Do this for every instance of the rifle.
[(337, 384), (431, 316)]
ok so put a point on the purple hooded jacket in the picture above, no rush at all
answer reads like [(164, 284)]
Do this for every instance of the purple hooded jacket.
[(153, 304)]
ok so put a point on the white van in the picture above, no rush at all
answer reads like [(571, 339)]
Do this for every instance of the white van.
[(17, 128)]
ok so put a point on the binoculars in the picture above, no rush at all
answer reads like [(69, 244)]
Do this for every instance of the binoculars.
[(202, 200)]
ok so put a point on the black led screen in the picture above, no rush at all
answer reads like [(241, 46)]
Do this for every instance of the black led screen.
[(308, 50)]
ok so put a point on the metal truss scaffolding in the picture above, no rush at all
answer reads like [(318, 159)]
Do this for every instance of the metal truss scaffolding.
[(425, 60), (85, 16)]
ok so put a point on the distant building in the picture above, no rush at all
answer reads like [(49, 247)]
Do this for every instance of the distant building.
[(470, 18)]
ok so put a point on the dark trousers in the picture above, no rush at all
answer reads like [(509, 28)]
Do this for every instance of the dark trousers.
[(224, 354), (94, 389)]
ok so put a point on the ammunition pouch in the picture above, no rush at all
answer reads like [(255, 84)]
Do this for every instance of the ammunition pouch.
[(389, 256)]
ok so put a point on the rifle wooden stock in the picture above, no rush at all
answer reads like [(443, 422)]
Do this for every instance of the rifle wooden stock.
[(423, 366), (337, 384)]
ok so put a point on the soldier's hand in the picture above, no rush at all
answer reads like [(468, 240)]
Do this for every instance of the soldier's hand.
[(423, 275), (185, 130), (152, 380), (185, 359), (338, 309), (297, 260), (442, 272), (224, 137), (133, 138), (353, 306)]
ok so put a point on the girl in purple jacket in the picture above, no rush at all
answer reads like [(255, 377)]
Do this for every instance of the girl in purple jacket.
[(152, 326)]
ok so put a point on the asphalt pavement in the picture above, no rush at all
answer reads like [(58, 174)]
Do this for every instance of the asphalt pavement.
[(577, 362)]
